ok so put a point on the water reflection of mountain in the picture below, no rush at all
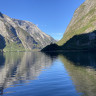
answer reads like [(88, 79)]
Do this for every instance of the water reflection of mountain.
[(19, 66), (82, 69)]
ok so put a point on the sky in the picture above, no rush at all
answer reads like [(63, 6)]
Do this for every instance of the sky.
[(51, 16)]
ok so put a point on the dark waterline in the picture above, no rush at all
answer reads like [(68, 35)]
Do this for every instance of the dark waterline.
[(39, 74)]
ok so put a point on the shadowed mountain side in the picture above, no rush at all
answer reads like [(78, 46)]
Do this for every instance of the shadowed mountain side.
[(78, 42), (51, 48), (2, 60), (2, 43), (19, 67), (82, 69)]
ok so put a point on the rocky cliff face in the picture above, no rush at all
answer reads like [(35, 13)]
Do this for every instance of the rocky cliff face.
[(22, 35), (83, 21), (81, 32)]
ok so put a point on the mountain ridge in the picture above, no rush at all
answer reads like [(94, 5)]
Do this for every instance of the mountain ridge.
[(82, 21), (22, 35), (81, 31)]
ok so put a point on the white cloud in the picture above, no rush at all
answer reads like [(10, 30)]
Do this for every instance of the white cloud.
[(57, 34)]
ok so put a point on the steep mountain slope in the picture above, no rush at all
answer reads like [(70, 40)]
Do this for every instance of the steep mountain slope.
[(39, 36), (83, 21), (81, 32), (22, 35)]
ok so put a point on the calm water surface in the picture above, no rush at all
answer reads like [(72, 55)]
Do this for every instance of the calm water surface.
[(39, 74)]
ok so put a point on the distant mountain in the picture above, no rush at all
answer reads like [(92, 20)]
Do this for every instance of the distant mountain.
[(81, 32), (19, 35)]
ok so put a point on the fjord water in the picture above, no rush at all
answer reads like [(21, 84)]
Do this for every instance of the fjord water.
[(39, 74)]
